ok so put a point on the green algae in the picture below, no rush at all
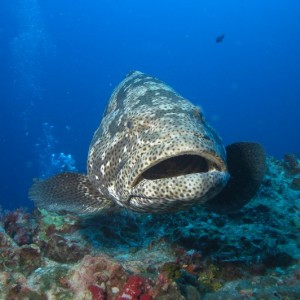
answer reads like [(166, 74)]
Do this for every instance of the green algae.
[(172, 270), (208, 278), (53, 221), (56, 219)]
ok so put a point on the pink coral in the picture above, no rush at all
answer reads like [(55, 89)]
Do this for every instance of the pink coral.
[(95, 271), (135, 289), (20, 226), (97, 292)]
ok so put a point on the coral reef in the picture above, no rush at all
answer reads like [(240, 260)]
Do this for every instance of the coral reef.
[(195, 254), (20, 226), (292, 163), (295, 184)]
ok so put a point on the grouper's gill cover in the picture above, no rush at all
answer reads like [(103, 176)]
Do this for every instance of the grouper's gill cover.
[(153, 152)]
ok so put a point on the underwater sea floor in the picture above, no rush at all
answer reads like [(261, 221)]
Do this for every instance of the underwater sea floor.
[(195, 254)]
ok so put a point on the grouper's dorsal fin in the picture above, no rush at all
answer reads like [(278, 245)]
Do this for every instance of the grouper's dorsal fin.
[(246, 165), (69, 191)]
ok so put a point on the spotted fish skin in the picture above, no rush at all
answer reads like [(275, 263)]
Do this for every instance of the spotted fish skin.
[(145, 124), (153, 152)]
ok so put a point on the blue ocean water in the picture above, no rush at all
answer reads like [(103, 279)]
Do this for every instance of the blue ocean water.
[(60, 61)]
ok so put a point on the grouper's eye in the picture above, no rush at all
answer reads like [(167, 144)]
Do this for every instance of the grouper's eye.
[(137, 124), (198, 114), (129, 124)]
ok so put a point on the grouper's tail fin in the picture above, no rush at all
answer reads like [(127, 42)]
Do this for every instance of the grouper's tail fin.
[(69, 191), (246, 165)]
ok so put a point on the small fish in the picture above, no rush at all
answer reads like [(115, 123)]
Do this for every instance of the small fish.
[(153, 152), (220, 38)]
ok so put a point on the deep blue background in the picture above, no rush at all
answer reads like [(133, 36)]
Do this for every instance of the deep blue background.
[(60, 61)]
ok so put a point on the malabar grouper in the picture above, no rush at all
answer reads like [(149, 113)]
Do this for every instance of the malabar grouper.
[(154, 152)]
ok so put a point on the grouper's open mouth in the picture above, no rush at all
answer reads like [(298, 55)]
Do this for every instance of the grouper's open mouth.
[(172, 182), (179, 165)]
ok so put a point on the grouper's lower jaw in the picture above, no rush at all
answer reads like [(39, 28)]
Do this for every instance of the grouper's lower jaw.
[(176, 193)]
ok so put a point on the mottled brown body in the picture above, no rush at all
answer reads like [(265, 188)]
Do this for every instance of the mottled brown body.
[(146, 124)]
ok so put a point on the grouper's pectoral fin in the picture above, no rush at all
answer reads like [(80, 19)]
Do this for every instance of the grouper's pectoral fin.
[(246, 165), (69, 191)]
